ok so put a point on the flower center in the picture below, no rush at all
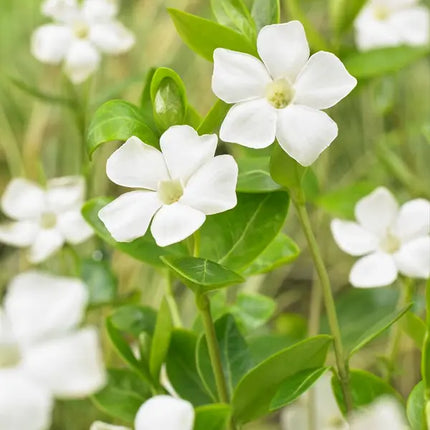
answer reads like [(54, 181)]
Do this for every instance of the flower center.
[(279, 93), (9, 354), (335, 422), (170, 191), (381, 13), (81, 30), (390, 243), (48, 220)]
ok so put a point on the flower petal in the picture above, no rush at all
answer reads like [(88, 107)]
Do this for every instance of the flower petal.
[(212, 189), (185, 151), (23, 403), (99, 425), (50, 43), (23, 199), (284, 49), (413, 25), (81, 61), (374, 270), (136, 164), (20, 234), (175, 222), (46, 243), (323, 82), (99, 10), (352, 238), (304, 132), (112, 37), (40, 306), (128, 216), (413, 258), (165, 412), (250, 124), (61, 10), (238, 77), (73, 227), (70, 367), (377, 211), (65, 193), (413, 220)]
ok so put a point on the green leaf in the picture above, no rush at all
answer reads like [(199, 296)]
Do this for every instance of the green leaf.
[(99, 280), (415, 328), (237, 237), (235, 356), (257, 388), (254, 175), (161, 339), (123, 395), (143, 249), (214, 118), (266, 12), (134, 319), (295, 386), (118, 120), (282, 250), (379, 62), (212, 417), (365, 388), (415, 407), (344, 12), (201, 274), (204, 36), (169, 100), (379, 328), (182, 370)]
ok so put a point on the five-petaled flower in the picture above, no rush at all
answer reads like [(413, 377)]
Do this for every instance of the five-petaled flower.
[(392, 239), (45, 218), (43, 353), (157, 413), (178, 186), (281, 97), (78, 35), (384, 23)]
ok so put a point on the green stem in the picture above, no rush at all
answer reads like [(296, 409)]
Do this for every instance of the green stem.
[(425, 358), (171, 302), (341, 360)]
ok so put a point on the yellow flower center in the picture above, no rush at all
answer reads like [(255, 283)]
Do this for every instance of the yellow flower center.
[(390, 243), (335, 422), (81, 30), (381, 13), (279, 93), (170, 191), (9, 355), (48, 220)]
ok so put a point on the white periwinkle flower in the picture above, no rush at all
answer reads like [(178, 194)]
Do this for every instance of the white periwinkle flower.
[(390, 238), (158, 413), (326, 412), (177, 187), (46, 218), (384, 23), (281, 97), (78, 35), (43, 353)]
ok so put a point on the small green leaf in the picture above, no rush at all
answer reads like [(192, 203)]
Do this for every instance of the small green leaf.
[(204, 36), (201, 274), (295, 386), (344, 12), (266, 12), (415, 407), (254, 175), (118, 120), (415, 328), (134, 319), (212, 417), (257, 388), (212, 121)]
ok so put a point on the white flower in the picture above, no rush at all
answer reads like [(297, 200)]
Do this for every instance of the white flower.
[(158, 413), (281, 97), (78, 35), (326, 412), (384, 23), (43, 353), (45, 218), (392, 239), (178, 186)]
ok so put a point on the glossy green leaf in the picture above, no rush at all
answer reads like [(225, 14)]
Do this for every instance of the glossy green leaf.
[(134, 319), (201, 274), (146, 102), (382, 325), (237, 237), (415, 407), (182, 370), (266, 12), (379, 62), (344, 12), (214, 118), (415, 328), (143, 249), (118, 120), (204, 36), (257, 388), (293, 387), (282, 250), (254, 175), (212, 417)]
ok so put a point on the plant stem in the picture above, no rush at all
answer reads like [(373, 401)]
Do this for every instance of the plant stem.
[(171, 301), (341, 361), (425, 358)]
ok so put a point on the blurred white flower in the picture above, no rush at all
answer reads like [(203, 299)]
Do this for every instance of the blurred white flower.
[(158, 413), (281, 97), (392, 239), (43, 353), (384, 23), (327, 414), (78, 35), (177, 187), (45, 218)]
